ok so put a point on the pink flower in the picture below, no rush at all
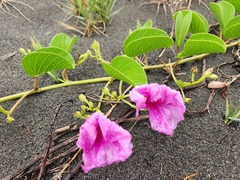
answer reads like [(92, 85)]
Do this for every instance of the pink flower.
[(103, 142), (165, 105)]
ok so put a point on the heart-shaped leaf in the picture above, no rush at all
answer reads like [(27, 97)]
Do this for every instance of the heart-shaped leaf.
[(47, 59), (146, 39), (199, 23), (223, 11), (182, 26), (236, 4), (232, 28), (201, 43), (63, 41), (126, 69)]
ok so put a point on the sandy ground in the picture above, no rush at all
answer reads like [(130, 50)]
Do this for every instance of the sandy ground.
[(201, 144)]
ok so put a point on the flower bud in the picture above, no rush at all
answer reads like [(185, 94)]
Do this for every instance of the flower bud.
[(208, 72), (213, 76), (22, 51), (95, 45), (78, 114), (114, 94), (82, 98), (105, 91), (83, 107), (34, 44), (187, 100), (194, 70), (29, 51), (84, 57), (9, 119), (96, 48)]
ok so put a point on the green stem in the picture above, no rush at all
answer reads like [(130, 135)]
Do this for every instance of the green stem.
[(3, 110), (193, 77), (233, 43), (67, 83), (55, 77), (182, 92), (173, 75), (120, 88), (175, 80), (128, 103), (18, 102), (183, 61), (125, 96), (101, 98), (65, 75), (103, 79)]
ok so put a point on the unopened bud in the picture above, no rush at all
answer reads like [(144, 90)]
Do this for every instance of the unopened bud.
[(83, 107), (96, 48), (194, 70), (29, 51), (78, 114), (187, 100), (84, 57), (82, 98), (34, 44), (95, 45), (105, 91), (22, 51), (213, 76), (114, 94), (208, 72), (9, 119)]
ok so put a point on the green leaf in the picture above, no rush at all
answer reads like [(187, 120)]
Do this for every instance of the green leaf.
[(182, 27), (232, 28), (223, 11), (126, 69), (236, 4), (201, 43), (63, 41), (146, 39), (47, 59), (199, 23), (147, 24)]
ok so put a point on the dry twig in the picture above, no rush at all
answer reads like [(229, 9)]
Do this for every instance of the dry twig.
[(4, 7), (50, 132), (40, 156), (8, 55)]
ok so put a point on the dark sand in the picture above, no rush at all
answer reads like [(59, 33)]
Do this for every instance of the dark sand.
[(201, 144)]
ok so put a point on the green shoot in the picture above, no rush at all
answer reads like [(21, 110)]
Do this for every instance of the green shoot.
[(91, 15), (231, 114)]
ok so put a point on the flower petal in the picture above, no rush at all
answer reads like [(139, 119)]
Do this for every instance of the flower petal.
[(137, 97), (166, 106), (103, 142)]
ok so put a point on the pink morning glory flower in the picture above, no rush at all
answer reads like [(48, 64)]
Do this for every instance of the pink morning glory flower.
[(103, 142), (165, 105)]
